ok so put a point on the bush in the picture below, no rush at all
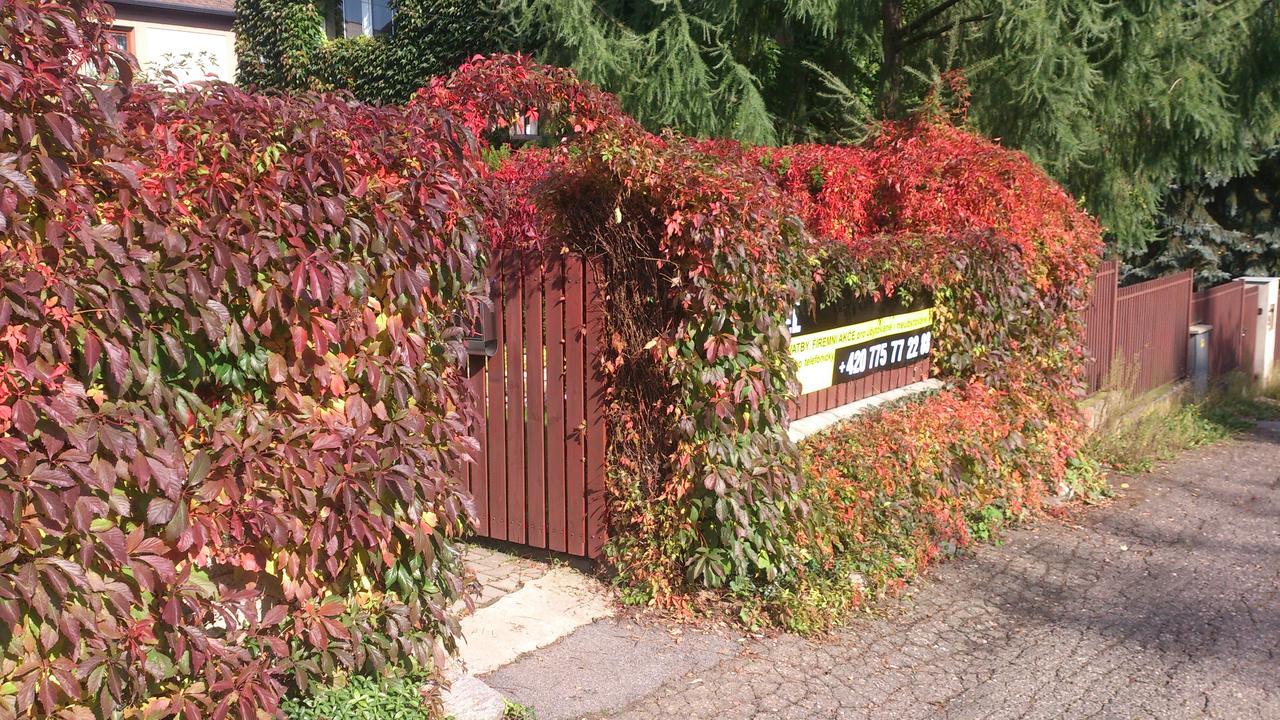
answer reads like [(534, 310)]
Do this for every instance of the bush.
[(896, 489), (281, 45), (230, 399), (702, 260), (366, 698)]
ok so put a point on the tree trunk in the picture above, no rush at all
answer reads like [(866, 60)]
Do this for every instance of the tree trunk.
[(891, 67)]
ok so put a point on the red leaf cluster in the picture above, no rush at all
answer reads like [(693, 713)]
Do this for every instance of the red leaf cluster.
[(702, 261), (230, 406)]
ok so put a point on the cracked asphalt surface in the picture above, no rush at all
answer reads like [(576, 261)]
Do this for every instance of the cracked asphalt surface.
[(1163, 604)]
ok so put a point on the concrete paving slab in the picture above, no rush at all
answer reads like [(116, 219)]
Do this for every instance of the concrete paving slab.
[(542, 611), (469, 698), (608, 665)]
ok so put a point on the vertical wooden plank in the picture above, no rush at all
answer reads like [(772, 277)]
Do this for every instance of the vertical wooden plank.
[(478, 471), (793, 409), (496, 424), (575, 408), (557, 477), (535, 390), (595, 424), (514, 339)]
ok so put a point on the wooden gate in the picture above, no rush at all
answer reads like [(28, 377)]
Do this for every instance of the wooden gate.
[(1224, 308), (539, 477)]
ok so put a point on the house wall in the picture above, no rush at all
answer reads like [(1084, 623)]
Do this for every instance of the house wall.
[(192, 45)]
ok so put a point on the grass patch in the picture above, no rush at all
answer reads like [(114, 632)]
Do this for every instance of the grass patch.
[(1133, 439), (1136, 445), (361, 697), (517, 711)]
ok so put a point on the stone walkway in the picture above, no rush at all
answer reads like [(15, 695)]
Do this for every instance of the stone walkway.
[(498, 574), (1164, 604)]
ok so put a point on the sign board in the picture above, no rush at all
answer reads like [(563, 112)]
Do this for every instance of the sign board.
[(846, 341)]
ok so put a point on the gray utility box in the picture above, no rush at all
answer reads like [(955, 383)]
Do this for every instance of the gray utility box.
[(1198, 358)]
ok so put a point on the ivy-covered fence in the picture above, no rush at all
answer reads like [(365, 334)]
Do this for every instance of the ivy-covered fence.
[(232, 398), (707, 247)]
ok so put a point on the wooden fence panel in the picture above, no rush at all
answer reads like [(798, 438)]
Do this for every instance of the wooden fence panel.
[(1100, 326), (875, 383), (1223, 308), (557, 524), (539, 477), (1250, 344), (535, 352), (1151, 329)]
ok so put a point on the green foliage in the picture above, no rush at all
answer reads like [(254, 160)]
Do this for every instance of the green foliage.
[(710, 68), (1134, 435), (231, 410), (282, 45), (1116, 100), (1119, 100), (1221, 227), (1136, 444), (362, 697), (516, 711)]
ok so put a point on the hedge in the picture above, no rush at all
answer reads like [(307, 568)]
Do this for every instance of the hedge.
[(706, 246), (232, 409), (281, 45), (231, 406)]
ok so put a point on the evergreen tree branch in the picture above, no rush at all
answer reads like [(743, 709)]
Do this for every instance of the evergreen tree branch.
[(920, 22), (940, 31)]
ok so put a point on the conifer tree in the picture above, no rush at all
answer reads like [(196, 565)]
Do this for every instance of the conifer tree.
[(1118, 100)]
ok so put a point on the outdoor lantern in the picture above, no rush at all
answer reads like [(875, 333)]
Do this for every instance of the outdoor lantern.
[(481, 336), (525, 127)]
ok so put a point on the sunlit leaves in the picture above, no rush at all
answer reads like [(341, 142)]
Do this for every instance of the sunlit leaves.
[(220, 411)]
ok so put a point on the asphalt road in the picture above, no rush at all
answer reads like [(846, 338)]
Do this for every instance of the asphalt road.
[(1163, 604)]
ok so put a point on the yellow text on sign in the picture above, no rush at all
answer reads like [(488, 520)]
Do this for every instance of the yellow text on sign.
[(815, 354)]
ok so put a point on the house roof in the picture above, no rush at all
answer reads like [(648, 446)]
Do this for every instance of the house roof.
[(223, 8)]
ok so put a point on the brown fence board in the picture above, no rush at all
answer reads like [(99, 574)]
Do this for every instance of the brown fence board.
[(477, 472), (513, 344), (575, 408), (556, 474), (496, 427), (1151, 321), (1100, 326), (536, 389), (595, 422)]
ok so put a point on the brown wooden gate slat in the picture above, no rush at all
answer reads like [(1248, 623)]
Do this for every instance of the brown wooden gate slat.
[(535, 384), (575, 408), (513, 344), (595, 424), (496, 427), (477, 472), (556, 477)]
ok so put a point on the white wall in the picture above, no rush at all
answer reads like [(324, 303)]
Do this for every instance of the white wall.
[(192, 49)]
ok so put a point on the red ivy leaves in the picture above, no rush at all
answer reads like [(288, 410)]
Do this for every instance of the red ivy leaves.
[(227, 382)]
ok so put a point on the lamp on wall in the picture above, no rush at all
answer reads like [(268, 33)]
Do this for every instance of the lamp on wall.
[(524, 128)]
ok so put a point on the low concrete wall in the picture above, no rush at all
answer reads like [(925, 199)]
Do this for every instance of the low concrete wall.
[(804, 427)]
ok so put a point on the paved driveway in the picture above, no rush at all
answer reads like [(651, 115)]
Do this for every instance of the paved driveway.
[(1165, 604)]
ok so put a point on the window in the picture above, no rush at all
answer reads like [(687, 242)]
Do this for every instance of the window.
[(367, 18), (121, 39)]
